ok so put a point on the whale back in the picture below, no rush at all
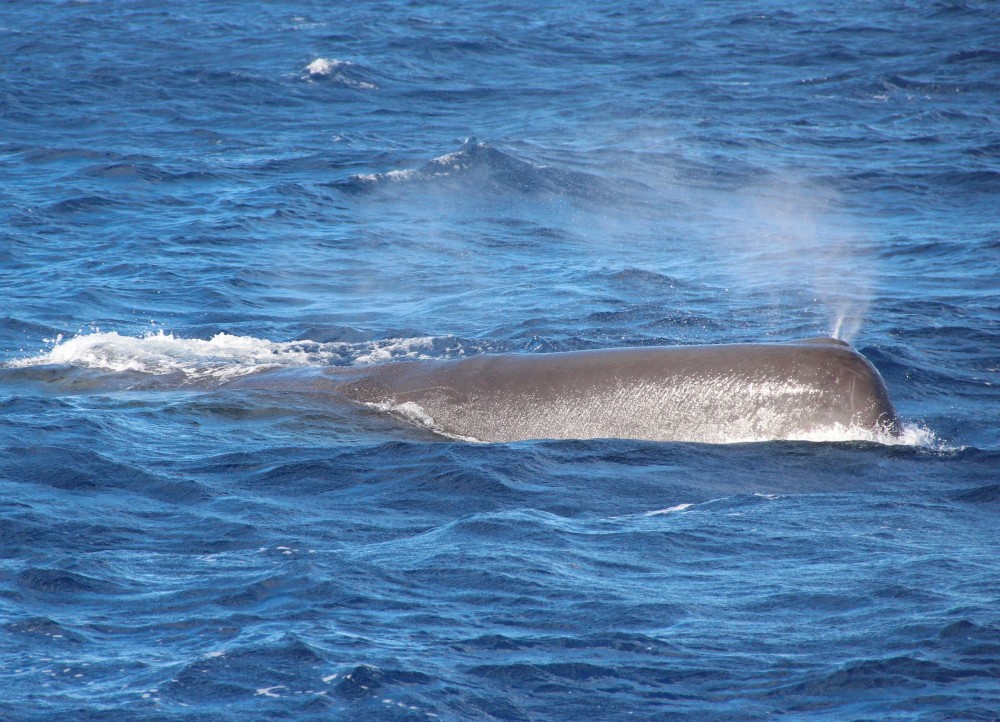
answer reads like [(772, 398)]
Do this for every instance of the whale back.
[(714, 393)]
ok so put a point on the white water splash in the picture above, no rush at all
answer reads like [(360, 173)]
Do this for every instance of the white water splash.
[(341, 72), (221, 358)]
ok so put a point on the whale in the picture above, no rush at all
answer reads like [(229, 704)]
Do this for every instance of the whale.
[(709, 393)]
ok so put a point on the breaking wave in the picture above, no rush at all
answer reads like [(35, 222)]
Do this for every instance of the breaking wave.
[(480, 168), (340, 72)]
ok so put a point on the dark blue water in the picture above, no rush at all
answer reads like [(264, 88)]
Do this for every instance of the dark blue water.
[(193, 192)]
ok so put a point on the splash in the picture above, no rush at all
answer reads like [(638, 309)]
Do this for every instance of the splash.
[(338, 72), (220, 358)]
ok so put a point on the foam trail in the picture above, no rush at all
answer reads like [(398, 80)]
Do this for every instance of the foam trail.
[(220, 358)]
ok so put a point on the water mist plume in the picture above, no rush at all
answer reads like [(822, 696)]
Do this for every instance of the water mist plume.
[(798, 238)]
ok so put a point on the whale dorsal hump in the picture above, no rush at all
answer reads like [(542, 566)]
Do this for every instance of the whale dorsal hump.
[(824, 340)]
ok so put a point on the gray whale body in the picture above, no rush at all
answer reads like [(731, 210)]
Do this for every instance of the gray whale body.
[(713, 394)]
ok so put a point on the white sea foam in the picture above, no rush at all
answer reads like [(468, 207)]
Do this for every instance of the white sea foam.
[(393, 176), (342, 72), (323, 66), (270, 691), (471, 154), (916, 435), (911, 435), (393, 348), (668, 510), (220, 358)]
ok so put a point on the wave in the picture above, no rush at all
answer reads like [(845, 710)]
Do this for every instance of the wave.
[(47, 581), (44, 627), (985, 55), (989, 494), (479, 167), (947, 181), (339, 72), (81, 204), (148, 172), (44, 155), (867, 674)]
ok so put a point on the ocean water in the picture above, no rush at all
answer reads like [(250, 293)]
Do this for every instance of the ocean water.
[(194, 193)]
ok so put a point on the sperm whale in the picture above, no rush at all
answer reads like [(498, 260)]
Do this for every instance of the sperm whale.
[(711, 393)]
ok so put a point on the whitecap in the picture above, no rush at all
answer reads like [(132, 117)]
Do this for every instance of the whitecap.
[(669, 510), (340, 72), (270, 691)]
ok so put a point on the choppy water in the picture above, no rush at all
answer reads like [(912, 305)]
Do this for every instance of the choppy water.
[(194, 192)]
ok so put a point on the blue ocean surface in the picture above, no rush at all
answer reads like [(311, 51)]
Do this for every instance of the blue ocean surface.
[(194, 194)]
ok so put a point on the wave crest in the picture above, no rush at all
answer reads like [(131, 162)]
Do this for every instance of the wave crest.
[(339, 72), (480, 168)]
